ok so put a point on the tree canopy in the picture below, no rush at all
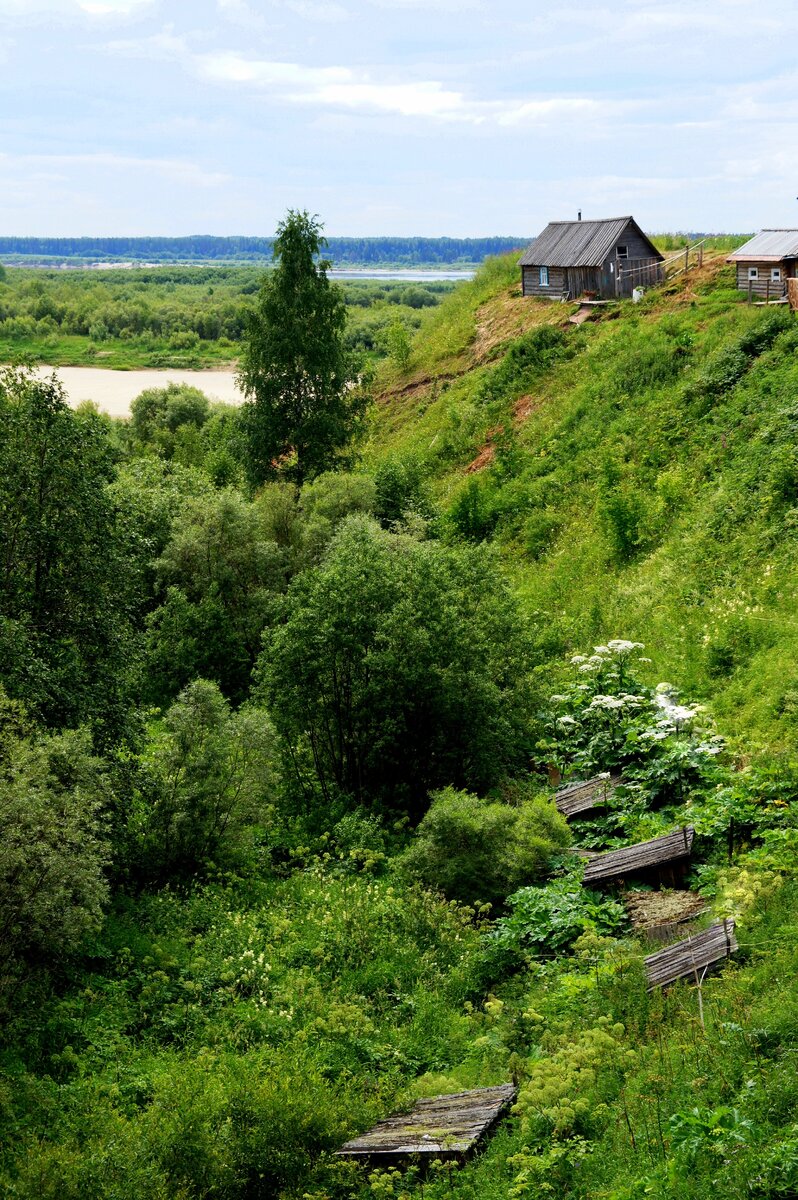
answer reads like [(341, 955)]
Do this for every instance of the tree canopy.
[(64, 583), (401, 666), (299, 378)]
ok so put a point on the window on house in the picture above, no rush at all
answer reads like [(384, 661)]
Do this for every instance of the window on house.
[(544, 276), (622, 251), (775, 273), (753, 272)]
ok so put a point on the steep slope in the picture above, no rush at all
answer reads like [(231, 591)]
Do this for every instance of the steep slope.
[(640, 473)]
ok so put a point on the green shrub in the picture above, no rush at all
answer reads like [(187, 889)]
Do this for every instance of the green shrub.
[(211, 778), (401, 666), (478, 851), (53, 847), (475, 510), (551, 918), (400, 490)]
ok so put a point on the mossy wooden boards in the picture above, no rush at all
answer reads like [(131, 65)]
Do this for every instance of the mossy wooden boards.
[(445, 1127), (583, 795), (640, 858), (691, 957)]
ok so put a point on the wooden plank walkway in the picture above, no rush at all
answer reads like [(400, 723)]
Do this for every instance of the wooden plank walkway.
[(692, 956), (630, 860), (445, 1127), (584, 794)]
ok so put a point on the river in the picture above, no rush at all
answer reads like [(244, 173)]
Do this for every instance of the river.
[(112, 391)]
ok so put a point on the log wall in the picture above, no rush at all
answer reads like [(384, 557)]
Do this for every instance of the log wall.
[(532, 286), (764, 287)]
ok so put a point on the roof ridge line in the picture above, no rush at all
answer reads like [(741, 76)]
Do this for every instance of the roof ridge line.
[(592, 220)]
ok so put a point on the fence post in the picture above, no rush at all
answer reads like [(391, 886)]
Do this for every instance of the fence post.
[(767, 291), (686, 258), (700, 256)]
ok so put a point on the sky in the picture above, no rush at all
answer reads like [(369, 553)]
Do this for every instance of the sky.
[(395, 117)]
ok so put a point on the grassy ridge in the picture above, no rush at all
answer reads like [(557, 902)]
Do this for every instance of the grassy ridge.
[(639, 474)]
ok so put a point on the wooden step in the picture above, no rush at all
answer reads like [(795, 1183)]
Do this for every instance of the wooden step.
[(445, 1127), (692, 956), (645, 856)]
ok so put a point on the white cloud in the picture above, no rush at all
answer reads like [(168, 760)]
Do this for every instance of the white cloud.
[(93, 8), (241, 13), (178, 170), (326, 11), (228, 67), (561, 108), (370, 91), (443, 6), (405, 99), (110, 8)]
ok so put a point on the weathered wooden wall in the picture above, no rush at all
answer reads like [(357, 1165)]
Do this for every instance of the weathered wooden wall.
[(655, 856), (764, 286), (582, 279), (636, 247), (441, 1127), (639, 272), (693, 956), (532, 285)]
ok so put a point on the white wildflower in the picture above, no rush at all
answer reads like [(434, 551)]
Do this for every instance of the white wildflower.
[(611, 703)]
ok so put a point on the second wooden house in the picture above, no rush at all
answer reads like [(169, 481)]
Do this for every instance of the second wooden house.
[(766, 262), (600, 260)]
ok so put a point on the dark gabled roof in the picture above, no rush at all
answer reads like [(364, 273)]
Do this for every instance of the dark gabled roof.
[(768, 244), (579, 243)]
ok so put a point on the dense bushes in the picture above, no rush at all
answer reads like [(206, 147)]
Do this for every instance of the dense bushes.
[(66, 583), (480, 851), (208, 780), (53, 844), (399, 666)]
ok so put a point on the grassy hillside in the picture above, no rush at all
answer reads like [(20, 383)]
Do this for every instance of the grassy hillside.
[(640, 473), (220, 1030)]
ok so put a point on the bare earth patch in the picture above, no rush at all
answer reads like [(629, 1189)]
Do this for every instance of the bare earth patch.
[(524, 407), (510, 314)]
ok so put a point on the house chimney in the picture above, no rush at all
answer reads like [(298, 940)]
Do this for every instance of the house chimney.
[(579, 215)]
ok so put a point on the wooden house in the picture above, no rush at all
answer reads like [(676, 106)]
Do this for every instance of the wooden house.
[(766, 262), (601, 260)]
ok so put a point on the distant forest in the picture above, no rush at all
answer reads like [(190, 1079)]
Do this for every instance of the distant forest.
[(377, 251)]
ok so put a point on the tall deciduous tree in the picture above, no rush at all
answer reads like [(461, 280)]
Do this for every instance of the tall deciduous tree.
[(400, 666), (299, 378), (65, 633)]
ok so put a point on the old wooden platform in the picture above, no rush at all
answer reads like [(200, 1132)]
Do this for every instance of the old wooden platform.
[(643, 857), (445, 1127), (692, 956), (583, 795)]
